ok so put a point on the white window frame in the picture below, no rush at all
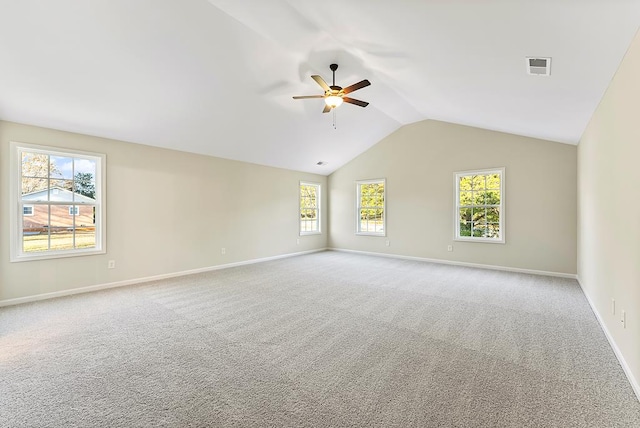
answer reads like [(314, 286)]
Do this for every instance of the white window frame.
[(16, 205), (457, 206), (318, 208), (27, 206), (74, 210), (382, 181)]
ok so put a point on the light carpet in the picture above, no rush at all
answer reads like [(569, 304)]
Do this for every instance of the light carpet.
[(326, 339)]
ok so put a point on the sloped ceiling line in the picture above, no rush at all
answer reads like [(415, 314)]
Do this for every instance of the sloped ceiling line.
[(216, 77)]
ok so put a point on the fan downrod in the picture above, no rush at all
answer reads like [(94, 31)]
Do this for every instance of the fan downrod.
[(333, 68)]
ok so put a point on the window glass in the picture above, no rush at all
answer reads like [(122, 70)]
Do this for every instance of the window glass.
[(371, 207), (479, 205), (309, 208), (58, 194)]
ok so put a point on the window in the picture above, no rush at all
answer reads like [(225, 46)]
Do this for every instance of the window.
[(309, 208), (56, 202), (480, 206), (371, 207)]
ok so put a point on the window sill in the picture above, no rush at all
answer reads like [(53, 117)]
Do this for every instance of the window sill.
[(55, 255), (480, 240), (370, 234), (310, 233)]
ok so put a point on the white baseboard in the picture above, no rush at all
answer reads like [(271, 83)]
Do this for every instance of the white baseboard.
[(627, 371), (87, 289), (456, 263)]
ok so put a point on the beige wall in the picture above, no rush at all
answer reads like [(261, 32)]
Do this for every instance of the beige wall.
[(609, 203), (419, 161), (167, 212)]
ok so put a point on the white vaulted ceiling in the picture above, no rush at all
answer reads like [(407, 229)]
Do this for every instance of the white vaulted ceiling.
[(216, 77)]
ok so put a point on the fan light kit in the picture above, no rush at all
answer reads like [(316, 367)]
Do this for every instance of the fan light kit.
[(333, 101), (334, 95)]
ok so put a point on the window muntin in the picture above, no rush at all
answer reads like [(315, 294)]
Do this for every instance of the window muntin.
[(370, 211), (479, 212), (64, 190), (309, 208)]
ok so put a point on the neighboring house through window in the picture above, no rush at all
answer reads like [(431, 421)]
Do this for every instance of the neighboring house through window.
[(479, 211), (309, 208), (370, 200), (56, 202)]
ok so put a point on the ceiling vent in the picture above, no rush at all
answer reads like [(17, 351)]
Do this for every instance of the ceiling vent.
[(538, 66)]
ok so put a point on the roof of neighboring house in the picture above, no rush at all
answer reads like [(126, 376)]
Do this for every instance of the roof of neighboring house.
[(58, 194)]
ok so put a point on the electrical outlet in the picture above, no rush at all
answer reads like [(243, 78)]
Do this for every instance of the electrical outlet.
[(623, 319), (223, 251), (613, 306), (111, 264), (298, 241), (449, 247), (387, 243)]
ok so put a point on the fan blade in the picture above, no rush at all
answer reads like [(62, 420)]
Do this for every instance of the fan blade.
[(354, 101), (302, 97), (356, 86), (327, 108), (321, 82)]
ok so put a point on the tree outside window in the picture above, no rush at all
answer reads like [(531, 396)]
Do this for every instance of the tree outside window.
[(309, 208), (371, 207), (58, 196), (480, 205)]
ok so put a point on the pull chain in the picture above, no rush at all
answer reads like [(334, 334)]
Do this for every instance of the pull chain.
[(334, 119)]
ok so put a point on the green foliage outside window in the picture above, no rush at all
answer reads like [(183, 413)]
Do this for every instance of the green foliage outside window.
[(85, 184), (309, 208), (371, 207), (479, 205)]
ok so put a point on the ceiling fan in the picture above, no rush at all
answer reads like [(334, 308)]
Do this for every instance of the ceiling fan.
[(335, 95)]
